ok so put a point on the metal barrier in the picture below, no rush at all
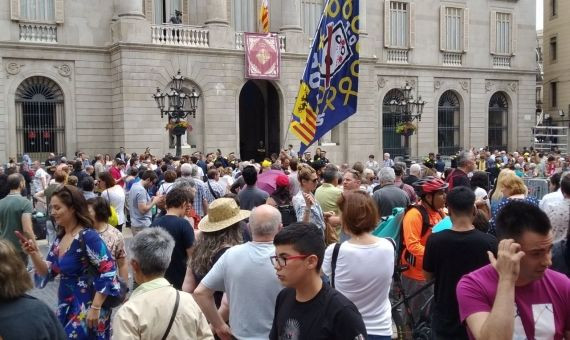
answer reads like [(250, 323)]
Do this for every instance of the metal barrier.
[(537, 187)]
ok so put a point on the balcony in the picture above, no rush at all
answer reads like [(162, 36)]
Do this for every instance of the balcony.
[(397, 56), (240, 42), (452, 59), (38, 33), (180, 35), (502, 61)]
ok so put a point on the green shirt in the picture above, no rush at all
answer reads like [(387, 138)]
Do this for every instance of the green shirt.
[(12, 207), (327, 195)]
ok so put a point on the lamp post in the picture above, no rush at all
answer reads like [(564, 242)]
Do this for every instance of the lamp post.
[(174, 108), (406, 111)]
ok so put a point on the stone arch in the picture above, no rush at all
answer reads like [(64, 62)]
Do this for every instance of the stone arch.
[(68, 94)]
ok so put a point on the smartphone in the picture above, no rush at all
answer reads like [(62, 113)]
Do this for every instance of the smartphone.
[(20, 236)]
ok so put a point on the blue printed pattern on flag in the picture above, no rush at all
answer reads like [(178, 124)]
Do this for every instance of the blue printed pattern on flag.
[(328, 92)]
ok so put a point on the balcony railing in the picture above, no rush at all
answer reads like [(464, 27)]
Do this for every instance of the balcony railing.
[(180, 35), (40, 33), (502, 61), (397, 56), (452, 59), (240, 42)]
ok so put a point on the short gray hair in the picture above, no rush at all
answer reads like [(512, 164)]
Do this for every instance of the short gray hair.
[(386, 175), (264, 220), (463, 157), (152, 249), (186, 170), (184, 183), (415, 169)]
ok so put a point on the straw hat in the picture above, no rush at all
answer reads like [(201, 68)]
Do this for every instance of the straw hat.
[(222, 213)]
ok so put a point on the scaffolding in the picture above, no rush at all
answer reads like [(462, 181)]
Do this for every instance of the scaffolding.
[(546, 138)]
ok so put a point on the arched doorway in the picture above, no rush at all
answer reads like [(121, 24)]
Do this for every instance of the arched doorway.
[(448, 117), (40, 118), (391, 141), (258, 120), (498, 121)]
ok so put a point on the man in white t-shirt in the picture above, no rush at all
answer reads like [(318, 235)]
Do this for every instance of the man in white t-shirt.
[(248, 278), (41, 178)]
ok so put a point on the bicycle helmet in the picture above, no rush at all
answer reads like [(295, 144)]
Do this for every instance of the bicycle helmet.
[(429, 185)]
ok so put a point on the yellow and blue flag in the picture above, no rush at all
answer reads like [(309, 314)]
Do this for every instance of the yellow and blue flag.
[(328, 92)]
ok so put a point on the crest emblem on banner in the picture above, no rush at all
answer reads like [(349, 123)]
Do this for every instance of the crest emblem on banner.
[(262, 56)]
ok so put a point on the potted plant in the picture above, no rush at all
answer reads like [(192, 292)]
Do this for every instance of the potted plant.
[(178, 128), (405, 128)]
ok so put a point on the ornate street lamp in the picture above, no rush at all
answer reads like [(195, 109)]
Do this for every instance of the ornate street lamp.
[(175, 110), (405, 112)]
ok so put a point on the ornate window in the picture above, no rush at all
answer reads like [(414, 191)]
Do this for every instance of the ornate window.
[(244, 15), (498, 121), (311, 11), (40, 118), (454, 29), (503, 33), (448, 114), (391, 141)]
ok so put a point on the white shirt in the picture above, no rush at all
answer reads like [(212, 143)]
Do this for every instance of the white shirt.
[(37, 181), (364, 274), (558, 212), (116, 197), (551, 198), (165, 188)]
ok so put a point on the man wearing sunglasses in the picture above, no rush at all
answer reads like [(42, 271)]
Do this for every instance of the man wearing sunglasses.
[(307, 308)]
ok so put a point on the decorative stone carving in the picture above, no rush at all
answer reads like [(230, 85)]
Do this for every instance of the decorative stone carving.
[(512, 86), (437, 84), (464, 85), (13, 68), (489, 86), (381, 82), (64, 70), (412, 82)]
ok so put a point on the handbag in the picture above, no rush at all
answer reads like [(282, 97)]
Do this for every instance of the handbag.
[(114, 218), (111, 301)]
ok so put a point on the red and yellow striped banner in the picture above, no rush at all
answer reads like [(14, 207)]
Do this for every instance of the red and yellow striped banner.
[(264, 16)]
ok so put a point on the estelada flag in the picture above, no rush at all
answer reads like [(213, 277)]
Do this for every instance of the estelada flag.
[(264, 16), (329, 88)]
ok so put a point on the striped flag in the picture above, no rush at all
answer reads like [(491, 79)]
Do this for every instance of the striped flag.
[(264, 16)]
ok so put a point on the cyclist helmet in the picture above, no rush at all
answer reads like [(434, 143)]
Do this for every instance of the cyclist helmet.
[(429, 185)]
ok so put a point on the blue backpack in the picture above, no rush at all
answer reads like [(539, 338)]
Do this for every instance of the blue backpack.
[(391, 226)]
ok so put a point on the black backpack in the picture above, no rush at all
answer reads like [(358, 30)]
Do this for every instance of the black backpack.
[(288, 215)]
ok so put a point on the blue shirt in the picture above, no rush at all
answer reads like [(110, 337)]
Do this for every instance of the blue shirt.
[(138, 194)]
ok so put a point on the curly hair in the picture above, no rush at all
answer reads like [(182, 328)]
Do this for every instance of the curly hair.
[(209, 244)]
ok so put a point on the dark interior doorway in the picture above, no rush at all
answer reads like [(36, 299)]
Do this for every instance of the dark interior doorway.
[(258, 120)]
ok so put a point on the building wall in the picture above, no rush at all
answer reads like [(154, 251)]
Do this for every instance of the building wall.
[(557, 71), (114, 69)]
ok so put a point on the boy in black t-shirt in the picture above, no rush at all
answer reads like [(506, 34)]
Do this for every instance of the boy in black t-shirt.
[(307, 308), (449, 255)]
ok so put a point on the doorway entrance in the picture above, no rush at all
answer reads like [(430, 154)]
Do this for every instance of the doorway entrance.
[(259, 120)]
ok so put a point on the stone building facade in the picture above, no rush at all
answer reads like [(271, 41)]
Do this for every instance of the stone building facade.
[(79, 75), (556, 51)]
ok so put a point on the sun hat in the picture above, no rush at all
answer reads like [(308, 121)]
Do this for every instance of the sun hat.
[(222, 213)]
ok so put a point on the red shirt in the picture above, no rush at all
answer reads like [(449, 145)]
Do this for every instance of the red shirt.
[(116, 173)]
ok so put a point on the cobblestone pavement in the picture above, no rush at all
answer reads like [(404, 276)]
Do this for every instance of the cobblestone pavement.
[(49, 293)]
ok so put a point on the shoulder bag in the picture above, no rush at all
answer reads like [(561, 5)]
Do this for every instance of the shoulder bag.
[(174, 311)]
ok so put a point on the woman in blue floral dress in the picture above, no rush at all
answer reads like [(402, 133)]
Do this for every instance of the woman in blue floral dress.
[(85, 266)]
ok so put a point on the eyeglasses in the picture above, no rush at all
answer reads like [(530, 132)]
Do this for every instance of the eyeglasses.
[(282, 261)]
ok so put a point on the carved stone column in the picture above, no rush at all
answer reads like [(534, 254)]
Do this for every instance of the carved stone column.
[(130, 25)]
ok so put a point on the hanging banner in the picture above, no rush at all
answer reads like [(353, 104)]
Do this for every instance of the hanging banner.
[(329, 88), (262, 56)]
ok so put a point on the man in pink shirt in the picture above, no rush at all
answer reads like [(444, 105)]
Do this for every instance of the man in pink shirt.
[(517, 296)]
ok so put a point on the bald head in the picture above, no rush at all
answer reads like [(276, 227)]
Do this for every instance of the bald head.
[(264, 221)]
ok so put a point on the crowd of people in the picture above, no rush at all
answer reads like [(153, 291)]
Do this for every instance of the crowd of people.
[(285, 247)]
